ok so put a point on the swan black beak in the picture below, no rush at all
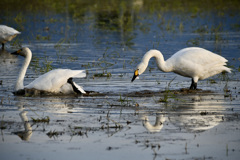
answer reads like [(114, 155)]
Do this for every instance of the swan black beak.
[(135, 75), (16, 52)]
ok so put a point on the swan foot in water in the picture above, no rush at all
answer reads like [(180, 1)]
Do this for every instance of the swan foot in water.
[(193, 85)]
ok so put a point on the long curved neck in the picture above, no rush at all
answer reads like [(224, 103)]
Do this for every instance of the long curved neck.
[(162, 65), (20, 79)]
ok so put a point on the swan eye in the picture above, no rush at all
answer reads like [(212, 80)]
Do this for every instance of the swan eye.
[(136, 73)]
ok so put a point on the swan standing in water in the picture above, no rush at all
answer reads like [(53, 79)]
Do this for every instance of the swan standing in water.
[(196, 63), (7, 34), (55, 81)]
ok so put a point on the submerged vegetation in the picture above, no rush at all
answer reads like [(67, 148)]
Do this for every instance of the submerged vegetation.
[(167, 94), (126, 101), (46, 65), (2, 125), (41, 120)]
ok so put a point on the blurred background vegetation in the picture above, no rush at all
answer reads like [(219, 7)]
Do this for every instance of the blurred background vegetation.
[(116, 12), (78, 7), (109, 27)]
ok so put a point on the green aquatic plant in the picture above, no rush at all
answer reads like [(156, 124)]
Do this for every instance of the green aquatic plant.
[(116, 125), (170, 26), (103, 74), (122, 100), (75, 130), (20, 20), (41, 120), (54, 133), (72, 59), (201, 30), (43, 67), (2, 124), (167, 94), (125, 101), (212, 81), (227, 150), (124, 65), (227, 91), (193, 42), (144, 27), (181, 27), (17, 43), (46, 66), (166, 97), (224, 76), (42, 38)]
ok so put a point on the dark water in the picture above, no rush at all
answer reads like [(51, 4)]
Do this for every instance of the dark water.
[(125, 120)]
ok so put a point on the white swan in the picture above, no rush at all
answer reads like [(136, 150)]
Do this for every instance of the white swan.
[(7, 34), (55, 81), (196, 63)]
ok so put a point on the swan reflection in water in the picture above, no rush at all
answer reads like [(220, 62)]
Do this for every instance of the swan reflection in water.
[(198, 116), (59, 105), (160, 119), (196, 121), (27, 133)]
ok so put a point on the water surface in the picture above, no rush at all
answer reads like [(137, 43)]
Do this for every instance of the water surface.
[(123, 120)]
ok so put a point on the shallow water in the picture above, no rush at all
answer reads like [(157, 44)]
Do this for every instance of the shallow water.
[(121, 120)]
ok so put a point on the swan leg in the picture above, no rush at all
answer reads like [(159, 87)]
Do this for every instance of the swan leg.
[(2, 46), (193, 85)]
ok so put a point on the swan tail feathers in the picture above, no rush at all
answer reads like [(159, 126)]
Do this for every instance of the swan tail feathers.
[(81, 74), (229, 70), (79, 88), (76, 88)]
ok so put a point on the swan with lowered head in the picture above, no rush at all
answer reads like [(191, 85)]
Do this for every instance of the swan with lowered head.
[(196, 63), (55, 81), (7, 34)]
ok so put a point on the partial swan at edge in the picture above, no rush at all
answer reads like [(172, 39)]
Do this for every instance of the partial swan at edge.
[(7, 34)]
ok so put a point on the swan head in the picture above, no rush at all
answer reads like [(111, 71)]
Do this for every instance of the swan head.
[(22, 52), (140, 69)]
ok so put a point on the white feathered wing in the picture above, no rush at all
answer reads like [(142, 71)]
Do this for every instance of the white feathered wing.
[(56, 81)]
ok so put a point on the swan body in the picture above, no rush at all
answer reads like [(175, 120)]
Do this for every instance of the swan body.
[(55, 81), (7, 34), (193, 62)]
